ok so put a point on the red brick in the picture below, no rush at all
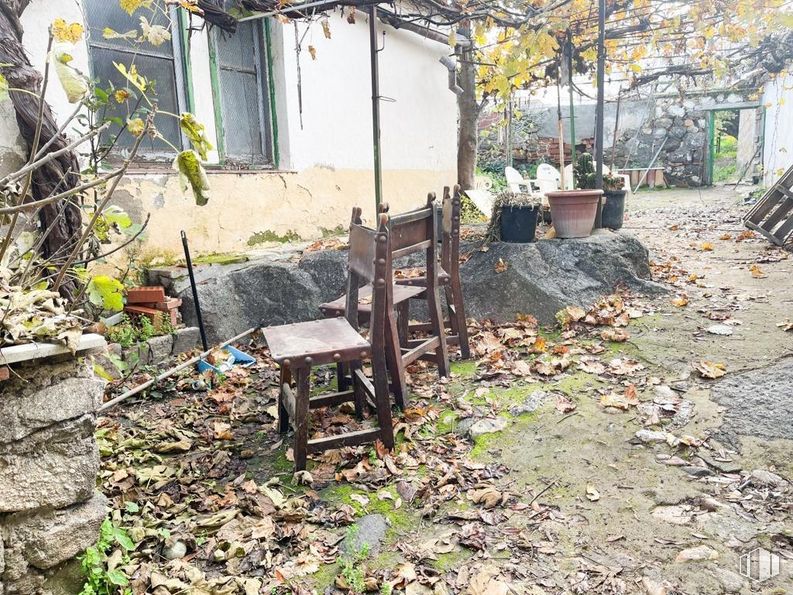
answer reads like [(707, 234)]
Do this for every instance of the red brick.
[(5, 373), (145, 295), (167, 305)]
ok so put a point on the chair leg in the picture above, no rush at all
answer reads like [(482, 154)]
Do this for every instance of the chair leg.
[(359, 394), (403, 320), (302, 396), (342, 382), (393, 355), (383, 402), (459, 314), (283, 415), (438, 329)]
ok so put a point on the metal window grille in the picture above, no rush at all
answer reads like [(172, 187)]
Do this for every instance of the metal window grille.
[(157, 63), (242, 79)]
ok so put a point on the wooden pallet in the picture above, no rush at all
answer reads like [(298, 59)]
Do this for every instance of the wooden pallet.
[(772, 216)]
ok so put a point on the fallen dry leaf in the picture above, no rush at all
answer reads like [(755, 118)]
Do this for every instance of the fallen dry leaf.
[(711, 370), (501, 266)]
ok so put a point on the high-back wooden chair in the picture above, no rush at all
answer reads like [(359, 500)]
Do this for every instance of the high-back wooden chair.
[(297, 348), (448, 276), (410, 233)]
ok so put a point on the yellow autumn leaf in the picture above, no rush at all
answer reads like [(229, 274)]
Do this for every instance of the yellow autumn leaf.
[(131, 6), (66, 32), (72, 81), (132, 76), (136, 126)]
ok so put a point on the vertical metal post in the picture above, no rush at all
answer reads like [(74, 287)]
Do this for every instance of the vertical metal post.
[(508, 135), (373, 50), (599, 115), (194, 288)]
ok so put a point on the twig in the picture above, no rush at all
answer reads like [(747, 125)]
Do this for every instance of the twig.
[(108, 195), (119, 247), (545, 489), (61, 130), (31, 206)]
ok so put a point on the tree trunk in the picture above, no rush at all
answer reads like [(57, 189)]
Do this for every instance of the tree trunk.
[(468, 113), (58, 175)]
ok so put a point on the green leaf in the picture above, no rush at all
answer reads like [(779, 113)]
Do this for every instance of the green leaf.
[(116, 215), (102, 373), (194, 130), (193, 176), (117, 577), (132, 507), (106, 292), (123, 539)]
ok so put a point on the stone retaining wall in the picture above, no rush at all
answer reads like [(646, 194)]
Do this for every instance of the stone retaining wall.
[(50, 511)]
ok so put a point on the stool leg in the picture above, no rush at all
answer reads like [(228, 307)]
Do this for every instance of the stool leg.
[(438, 329), (301, 417), (359, 393), (459, 316), (394, 361), (341, 378), (283, 415), (403, 319)]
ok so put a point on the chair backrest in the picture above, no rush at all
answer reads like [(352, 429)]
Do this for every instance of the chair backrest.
[(369, 261), (514, 179), (548, 173), (450, 250)]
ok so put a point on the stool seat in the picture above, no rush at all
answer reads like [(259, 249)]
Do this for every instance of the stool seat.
[(324, 341)]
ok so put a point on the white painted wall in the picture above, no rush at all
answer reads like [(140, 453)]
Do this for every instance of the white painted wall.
[(418, 129), (778, 151)]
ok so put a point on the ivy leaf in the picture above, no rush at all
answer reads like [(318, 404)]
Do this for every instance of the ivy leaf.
[(106, 292), (192, 176), (195, 131), (132, 5), (117, 577), (154, 34), (61, 31)]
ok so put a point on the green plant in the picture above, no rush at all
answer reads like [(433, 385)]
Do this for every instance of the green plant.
[(585, 172), (612, 183), (99, 578), (508, 199), (128, 332)]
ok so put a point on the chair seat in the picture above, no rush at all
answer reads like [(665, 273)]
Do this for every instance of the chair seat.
[(418, 277), (402, 293), (324, 341)]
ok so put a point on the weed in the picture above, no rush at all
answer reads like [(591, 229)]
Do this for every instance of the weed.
[(99, 579)]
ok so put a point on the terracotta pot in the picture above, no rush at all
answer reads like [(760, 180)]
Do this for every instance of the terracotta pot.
[(573, 212)]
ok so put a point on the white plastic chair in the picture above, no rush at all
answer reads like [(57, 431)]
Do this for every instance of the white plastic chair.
[(548, 178), (516, 182), (569, 181)]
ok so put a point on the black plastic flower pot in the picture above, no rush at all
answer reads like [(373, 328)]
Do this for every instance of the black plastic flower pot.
[(519, 224), (614, 209)]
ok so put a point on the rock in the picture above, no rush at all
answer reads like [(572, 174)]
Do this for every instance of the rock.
[(531, 404), (731, 581), (697, 554), (48, 538), (2, 557), (546, 276), (40, 396), (541, 279), (650, 436), (487, 426), (726, 524), (175, 550), (677, 515), (159, 349), (54, 467), (767, 478), (186, 339), (697, 471), (366, 534), (724, 330), (755, 403)]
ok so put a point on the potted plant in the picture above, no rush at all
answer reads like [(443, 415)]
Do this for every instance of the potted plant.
[(614, 203), (574, 211), (515, 217)]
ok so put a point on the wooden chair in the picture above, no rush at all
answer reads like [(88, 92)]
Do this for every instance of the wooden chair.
[(410, 233), (297, 348), (448, 276)]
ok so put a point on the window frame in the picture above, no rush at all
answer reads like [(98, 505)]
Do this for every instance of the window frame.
[(182, 88), (262, 63)]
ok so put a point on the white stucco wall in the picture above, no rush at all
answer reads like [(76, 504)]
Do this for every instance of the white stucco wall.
[(778, 150), (326, 166)]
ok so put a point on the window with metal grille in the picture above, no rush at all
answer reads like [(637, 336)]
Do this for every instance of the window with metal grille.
[(157, 63), (241, 90)]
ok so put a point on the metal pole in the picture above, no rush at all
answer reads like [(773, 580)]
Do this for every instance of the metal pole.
[(599, 114), (562, 181), (194, 288), (373, 50), (616, 131)]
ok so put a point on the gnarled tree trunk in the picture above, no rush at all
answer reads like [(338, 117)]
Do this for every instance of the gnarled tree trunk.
[(58, 175), (468, 109)]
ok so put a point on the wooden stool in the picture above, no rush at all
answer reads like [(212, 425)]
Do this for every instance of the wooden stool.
[(297, 348)]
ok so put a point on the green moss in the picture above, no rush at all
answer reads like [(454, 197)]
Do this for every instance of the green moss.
[(482, 445), (339, 230), (325, 576), (464, 369), (267, 236), (574, 384), (452, 560), (219, 258), (447, 422)]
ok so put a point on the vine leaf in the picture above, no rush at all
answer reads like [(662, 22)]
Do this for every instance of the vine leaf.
[(106, 292)]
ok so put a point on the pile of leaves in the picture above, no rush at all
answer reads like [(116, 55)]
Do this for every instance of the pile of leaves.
[(35, 314)]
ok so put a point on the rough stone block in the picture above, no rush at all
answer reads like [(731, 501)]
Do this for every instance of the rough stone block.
[(54, 467), (186, 339), (41, 397), (159, 348), (49, 538)]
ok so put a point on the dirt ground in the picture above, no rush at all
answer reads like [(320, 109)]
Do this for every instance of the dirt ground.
[(597, 457)]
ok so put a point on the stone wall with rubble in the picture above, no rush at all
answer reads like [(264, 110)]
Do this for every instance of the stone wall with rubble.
[(50, 511)]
